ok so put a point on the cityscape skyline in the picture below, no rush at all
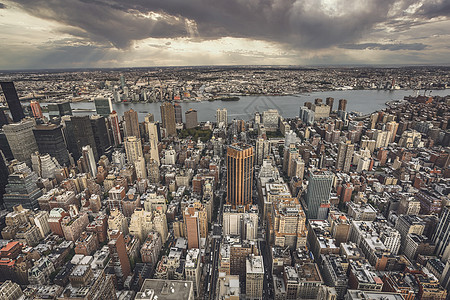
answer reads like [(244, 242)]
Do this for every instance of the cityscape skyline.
[(225, 150), (295, 32), (328, 204)]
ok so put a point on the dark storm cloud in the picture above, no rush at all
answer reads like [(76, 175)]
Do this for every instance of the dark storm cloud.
[(104, 23), (432, 9), (295, 23), (390, 47)]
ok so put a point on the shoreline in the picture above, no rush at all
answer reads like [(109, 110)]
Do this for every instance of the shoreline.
[(232, 95)]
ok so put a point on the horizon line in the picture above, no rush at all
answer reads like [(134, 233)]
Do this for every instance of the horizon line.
[(319, 66)]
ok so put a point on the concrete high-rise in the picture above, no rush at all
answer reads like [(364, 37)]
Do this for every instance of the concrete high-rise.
[(141, 168), (115, 127), (442, 235), (36, 110), (3, 176), (133, 149), (329, 102), (119, 261), (50, 139), (239, 174), (192, 269), (191, 118), (192, 227), (131, 123), (13, 101), (168, 118), (318, 195), (222, 117), (21, 139), (254, 277), (153, 140), (88, 156), (262, 150), (270, 119), (22, 189), (178, 113), (306, 115), (345, 155), (196, 224), (342, 104)]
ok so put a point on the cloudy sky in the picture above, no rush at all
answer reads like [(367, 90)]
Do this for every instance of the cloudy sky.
[(138, 33)]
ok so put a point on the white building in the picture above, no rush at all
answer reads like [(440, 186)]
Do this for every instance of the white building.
[(254, 277)]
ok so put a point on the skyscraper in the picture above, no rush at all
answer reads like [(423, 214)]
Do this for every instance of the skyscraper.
[(262, 150), (3, 118), (13, 101), (59, 109), (254, 277), (442, 235), (4, 146), (306, 115), (119, 261), (318, 195), (178, 113), (168, 118), (345, 155), (101, 135), (330, 102), (83, 134), (342, 104), (36, 109), (103, 106), (88, 156), (153, 140), (22, 189), (239, 174), (141, 168), (131, 123), (191, 118), (222, 117), (3, 176), (133, 149), (115, 128), (50, 139), (21, 139), (192, 230)]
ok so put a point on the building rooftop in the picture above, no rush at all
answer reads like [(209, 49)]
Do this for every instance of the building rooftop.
[(161, 289), (364, 295), (255, 265), (308, 272)]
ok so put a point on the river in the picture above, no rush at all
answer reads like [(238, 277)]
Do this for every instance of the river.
[(364, 101)]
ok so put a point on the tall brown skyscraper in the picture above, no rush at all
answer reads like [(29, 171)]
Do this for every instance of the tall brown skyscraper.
[(119, 260), (131, 123), (115, 127), (342, 104), (168, 118), (239, 174), (330, 102)]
